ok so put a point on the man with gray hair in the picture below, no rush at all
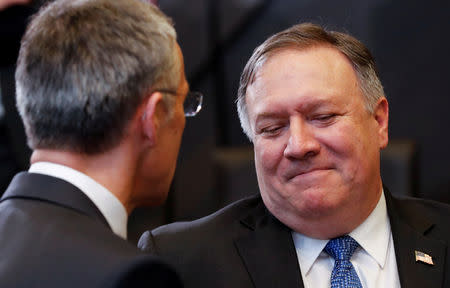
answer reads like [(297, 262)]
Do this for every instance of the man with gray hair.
[(311, 103), (103, 96)]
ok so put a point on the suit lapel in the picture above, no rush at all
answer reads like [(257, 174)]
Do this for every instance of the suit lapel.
[(53, 190), (268, 252), (408, 231)]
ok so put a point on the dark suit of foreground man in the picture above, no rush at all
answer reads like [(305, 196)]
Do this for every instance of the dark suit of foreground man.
[(313, 106), (105, 139)]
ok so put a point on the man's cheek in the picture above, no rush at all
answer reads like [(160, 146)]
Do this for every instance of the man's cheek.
[(267, 158)]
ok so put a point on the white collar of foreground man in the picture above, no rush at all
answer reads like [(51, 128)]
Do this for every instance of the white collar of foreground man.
[(108, 204)]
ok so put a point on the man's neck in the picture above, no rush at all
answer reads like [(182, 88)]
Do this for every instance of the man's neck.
[(109, 169)]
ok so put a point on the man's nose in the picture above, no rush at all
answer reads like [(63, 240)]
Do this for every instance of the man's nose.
[(302, 142)]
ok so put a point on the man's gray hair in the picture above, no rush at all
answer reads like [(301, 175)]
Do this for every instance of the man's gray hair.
[(305, 36), (85, 66)]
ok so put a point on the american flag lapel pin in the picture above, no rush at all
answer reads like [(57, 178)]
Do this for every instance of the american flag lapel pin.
[(422, 257)]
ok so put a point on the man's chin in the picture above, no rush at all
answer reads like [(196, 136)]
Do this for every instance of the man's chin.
[(315, 201)]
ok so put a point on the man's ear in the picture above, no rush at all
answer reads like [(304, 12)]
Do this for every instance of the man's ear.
[(150, 119), (381, 114)]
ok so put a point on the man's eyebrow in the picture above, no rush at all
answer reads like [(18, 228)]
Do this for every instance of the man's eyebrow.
[(265, 115), (268, 116), (304, 107)]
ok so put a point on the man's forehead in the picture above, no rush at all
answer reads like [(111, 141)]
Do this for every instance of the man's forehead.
[(299, 67), (306, 79)]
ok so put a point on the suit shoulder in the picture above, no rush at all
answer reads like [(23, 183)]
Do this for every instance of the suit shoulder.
[(208, 227), (434, 208), (225, 216), (415, 210), (79, 251)]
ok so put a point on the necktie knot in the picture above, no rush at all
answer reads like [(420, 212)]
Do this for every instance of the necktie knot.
[(343, 274), (341, 248)]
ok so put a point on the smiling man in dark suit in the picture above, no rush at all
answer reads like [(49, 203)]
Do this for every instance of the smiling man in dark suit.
[(101, 90), (311, 102)]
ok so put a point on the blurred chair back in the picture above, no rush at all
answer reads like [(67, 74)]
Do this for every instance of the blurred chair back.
[(399, 167)]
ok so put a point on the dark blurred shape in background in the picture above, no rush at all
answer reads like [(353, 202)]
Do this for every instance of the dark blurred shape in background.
[(14, 153)]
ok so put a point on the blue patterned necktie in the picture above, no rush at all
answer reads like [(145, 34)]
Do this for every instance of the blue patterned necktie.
[(343, 274)]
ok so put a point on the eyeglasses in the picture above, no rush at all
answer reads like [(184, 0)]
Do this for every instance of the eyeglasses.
[(192, 104)]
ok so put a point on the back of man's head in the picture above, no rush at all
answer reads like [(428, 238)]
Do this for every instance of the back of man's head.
[(85, 66)]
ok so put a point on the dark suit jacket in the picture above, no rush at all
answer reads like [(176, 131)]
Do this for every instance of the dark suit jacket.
[(52, 235), (243, 245)]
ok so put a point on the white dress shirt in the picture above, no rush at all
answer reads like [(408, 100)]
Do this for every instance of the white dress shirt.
[(374, 260), (108, 204)]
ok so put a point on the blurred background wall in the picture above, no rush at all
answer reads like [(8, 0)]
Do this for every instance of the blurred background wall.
[(410, 42)]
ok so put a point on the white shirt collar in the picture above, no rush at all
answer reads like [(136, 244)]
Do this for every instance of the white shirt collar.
[(111, 208), (372, 235), (308, 250)]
